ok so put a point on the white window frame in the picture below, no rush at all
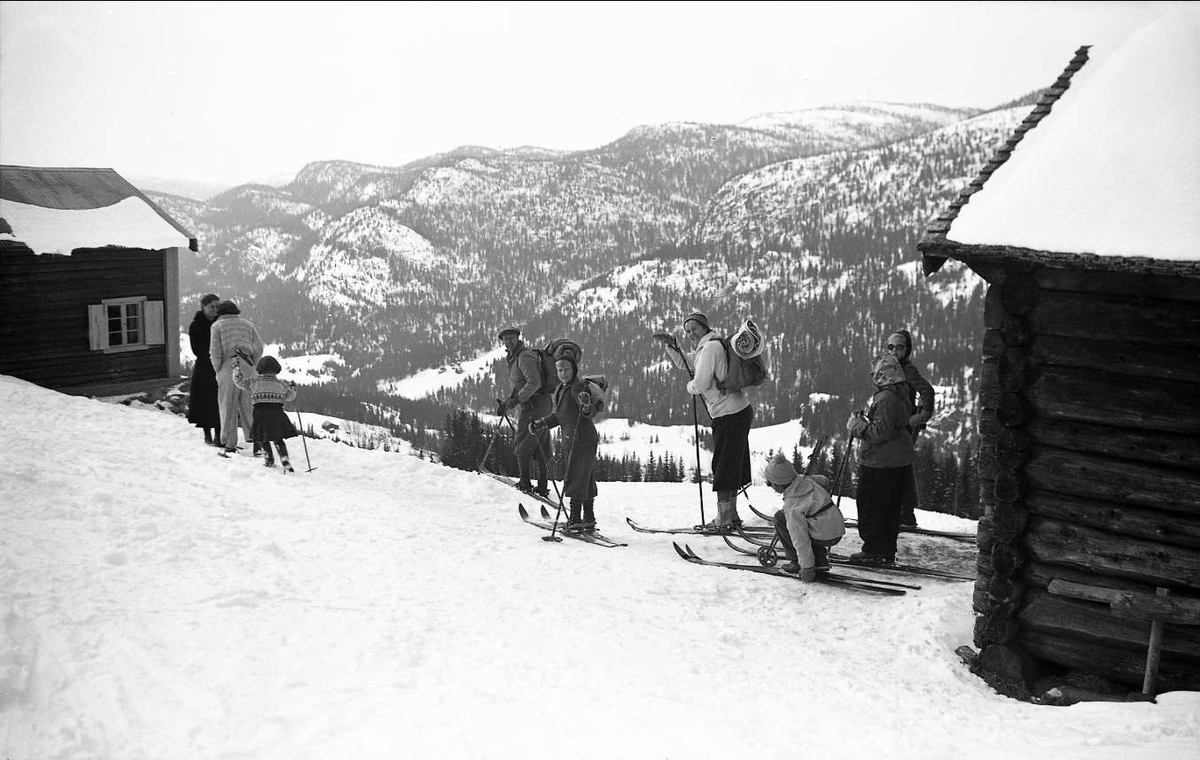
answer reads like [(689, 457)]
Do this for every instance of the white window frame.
[(151, 332)]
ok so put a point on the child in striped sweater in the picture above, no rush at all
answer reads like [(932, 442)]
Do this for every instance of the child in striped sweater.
[(268, 394)]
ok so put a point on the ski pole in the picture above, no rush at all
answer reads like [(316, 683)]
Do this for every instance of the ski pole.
[(487, 452), (570, 452), (669, 345), (304, 440), (837, 479)]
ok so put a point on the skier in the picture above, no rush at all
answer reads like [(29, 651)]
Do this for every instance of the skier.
[(268, 394), (732, 415), (809, 522), (885, 452), (530, 395), (577, 401), (899, 344)]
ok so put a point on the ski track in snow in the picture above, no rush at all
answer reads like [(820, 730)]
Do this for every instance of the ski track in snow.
[(162, 602)]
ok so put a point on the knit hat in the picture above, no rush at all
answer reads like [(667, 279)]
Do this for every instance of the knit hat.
[(886, 370), (696, 316), (227, 307), (779, 471), (509, 331), (268, 365)]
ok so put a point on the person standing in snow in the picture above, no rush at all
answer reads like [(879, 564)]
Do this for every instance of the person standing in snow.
[(885, 452), (576, 401), (268, 394), (899, 344), (732, 415), (809, 523), (203, 411), (531, 398), (233, 336)]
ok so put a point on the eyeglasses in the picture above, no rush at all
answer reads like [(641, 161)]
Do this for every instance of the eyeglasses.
[(893, 347)]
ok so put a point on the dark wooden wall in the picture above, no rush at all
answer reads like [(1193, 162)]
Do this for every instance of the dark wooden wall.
[(1090, 464), (44, 314)]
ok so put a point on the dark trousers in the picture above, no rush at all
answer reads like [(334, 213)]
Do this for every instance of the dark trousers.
[(910, 502), (880, 493), (530, 447), (731, 450)]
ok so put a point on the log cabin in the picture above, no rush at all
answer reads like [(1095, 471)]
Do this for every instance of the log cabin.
[(1086, 227), (89, 281)]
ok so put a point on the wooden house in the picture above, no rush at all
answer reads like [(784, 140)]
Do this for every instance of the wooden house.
[(89, 281), (1086, 227)]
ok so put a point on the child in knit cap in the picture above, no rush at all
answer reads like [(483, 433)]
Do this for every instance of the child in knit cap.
[(268, 394), (809, 522)]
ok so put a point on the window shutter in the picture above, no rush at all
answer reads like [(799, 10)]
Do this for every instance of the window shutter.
[(154, 323), (97, 329)]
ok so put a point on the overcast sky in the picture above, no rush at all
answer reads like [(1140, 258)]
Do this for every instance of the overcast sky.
[(233, 92)]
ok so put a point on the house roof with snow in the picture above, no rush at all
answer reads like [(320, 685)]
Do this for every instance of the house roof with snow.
[(57, 210), (1103, 174)]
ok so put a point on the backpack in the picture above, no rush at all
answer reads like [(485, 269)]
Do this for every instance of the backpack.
[(553, 351), (743, 355), (597, 387)]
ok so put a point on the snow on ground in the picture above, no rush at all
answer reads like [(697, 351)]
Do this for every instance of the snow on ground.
[(159, 601)]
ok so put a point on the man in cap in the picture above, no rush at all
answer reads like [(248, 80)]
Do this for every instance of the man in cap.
[(531, 398), (732, 415)]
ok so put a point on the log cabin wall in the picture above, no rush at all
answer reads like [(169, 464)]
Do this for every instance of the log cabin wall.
[(44, 314), (1089, 465)]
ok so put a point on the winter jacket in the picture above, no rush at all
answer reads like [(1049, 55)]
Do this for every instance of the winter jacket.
[(232, 332), (264, 389), (580, 439), (919, 387), (886, 440), (811, 516), (710, 364), (574, 418), (524, 373)]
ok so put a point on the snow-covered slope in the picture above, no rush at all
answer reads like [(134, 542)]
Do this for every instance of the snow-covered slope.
[(158, 601)]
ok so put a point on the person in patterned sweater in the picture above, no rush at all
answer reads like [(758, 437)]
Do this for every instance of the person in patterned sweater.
[(268, 394)]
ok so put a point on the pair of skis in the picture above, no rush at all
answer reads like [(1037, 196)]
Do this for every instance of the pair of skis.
[(916, 530), (768, 557), (704, 530), (867, 585), (547, 523)]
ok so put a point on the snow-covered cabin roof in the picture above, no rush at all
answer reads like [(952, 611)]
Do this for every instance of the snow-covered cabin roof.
[(57, 210), (1103, 174)]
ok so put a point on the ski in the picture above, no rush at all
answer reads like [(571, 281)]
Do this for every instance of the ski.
[(955, 535), (550, 518), (835, 559), (699, 530), (853, 523), (587, 538), (871, 586), (901, 567), (513, 483)]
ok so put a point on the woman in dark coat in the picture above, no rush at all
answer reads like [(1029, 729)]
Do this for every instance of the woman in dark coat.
[(202, 396), (576, 402)]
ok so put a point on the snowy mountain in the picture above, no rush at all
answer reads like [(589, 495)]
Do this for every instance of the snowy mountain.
[(806, 221), (159, 601)]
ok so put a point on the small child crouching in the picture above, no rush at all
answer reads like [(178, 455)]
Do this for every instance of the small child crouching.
[(809, 522)]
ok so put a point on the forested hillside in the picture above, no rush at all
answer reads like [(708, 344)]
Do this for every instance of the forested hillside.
[(806, 222)]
